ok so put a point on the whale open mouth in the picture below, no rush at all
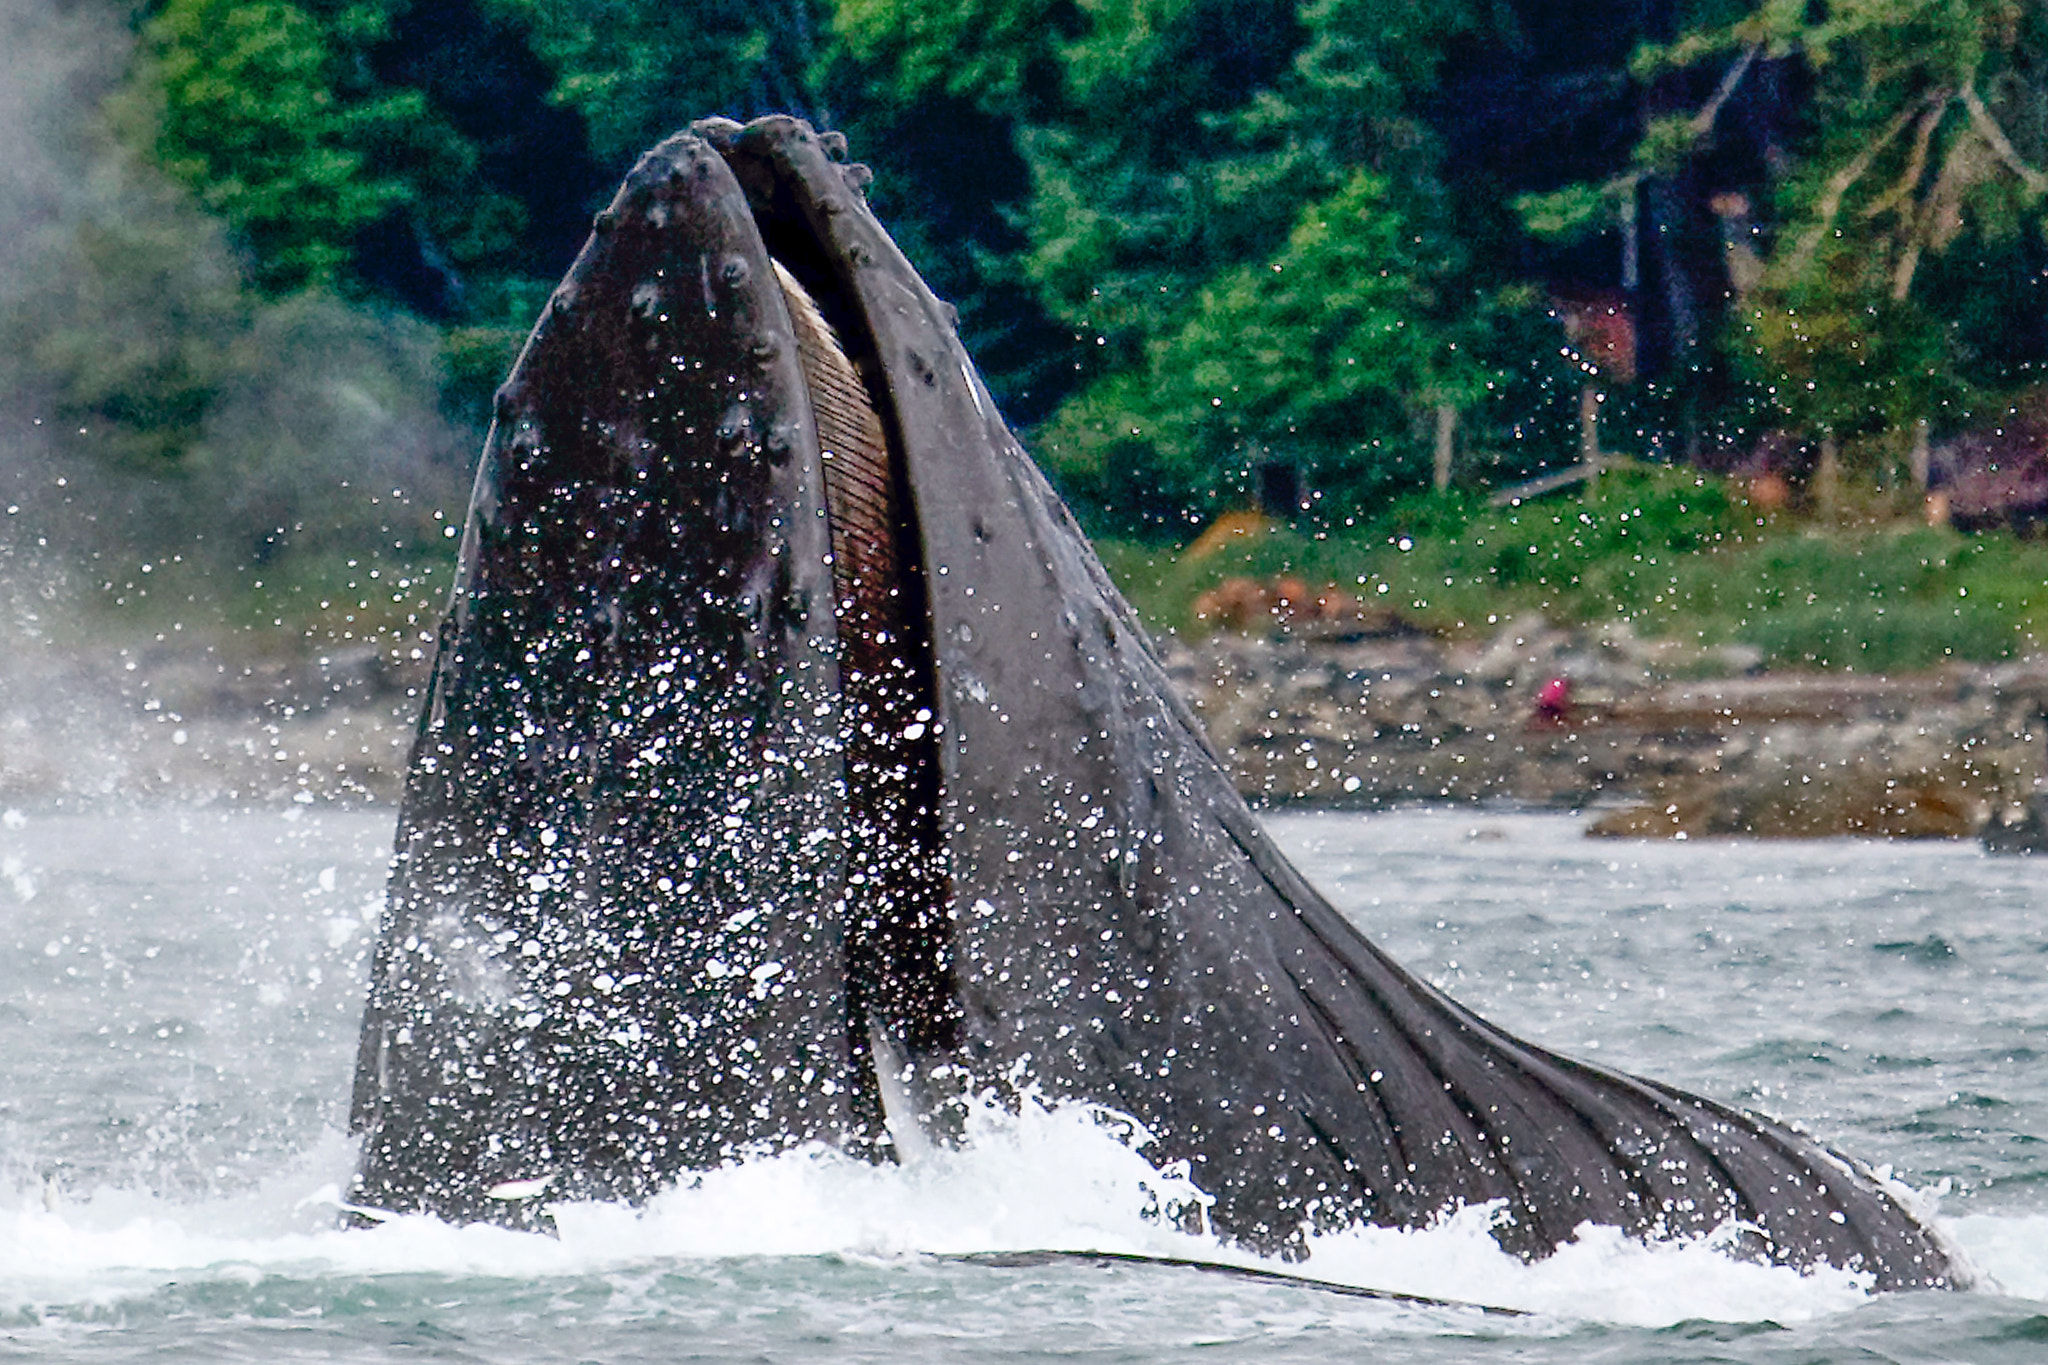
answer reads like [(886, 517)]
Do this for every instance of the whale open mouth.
[(901, 992)]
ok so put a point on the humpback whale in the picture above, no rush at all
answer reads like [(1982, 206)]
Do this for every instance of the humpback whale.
[(791, 772)]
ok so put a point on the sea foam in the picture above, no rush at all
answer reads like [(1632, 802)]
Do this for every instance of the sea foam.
[(1065, 1178)]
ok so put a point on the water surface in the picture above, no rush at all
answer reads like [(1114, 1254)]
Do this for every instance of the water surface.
[(179, 992)]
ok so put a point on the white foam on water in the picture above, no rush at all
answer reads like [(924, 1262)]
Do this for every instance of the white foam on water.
[(1061, 1178), (2009, 1250)]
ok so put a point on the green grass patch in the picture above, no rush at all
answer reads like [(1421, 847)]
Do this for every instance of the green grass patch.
[(1676, 554), (309, 601)]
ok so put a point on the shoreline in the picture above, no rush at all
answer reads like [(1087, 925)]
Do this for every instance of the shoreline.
[(206, 722), (1655, 739), (1679, 742)]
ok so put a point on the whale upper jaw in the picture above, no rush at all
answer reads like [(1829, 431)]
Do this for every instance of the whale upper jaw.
[(662, 901)]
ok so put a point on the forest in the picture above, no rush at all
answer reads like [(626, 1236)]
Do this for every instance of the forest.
[(267, 259)]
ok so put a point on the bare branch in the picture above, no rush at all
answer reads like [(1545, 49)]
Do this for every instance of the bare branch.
[(1916, 163), (1841, 181), (1703, 121), (1987, 128), (1902, 273), (1939, 216)]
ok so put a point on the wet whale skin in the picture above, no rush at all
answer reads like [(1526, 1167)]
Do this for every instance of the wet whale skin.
[(661, 902)]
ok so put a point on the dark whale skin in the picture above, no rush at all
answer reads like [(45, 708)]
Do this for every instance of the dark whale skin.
[(1116, 928)]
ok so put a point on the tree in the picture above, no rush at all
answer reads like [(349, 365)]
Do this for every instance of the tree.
[(128, 322), (1332, 359), (1922, 112), (1000, 56), (247, 112), (1131, 207), (638, 71), (1923, 127), (1310, 283)]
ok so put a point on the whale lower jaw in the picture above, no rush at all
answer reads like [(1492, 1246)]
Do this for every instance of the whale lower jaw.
[(787, 739)]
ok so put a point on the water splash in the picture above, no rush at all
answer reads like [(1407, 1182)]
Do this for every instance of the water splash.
[(1050, 1177)]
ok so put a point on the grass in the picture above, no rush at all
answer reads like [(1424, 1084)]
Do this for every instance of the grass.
[(1676, 554), (301, 604)]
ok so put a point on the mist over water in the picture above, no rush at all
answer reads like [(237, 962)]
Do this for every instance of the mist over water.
[(179, 994), (218, 506), (160, 417)]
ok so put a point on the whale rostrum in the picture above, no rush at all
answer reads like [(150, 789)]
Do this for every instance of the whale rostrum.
[(791, 771)]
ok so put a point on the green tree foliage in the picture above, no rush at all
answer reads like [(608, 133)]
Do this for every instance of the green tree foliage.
[(165, 408), (251, 112), (129, 329), (638, 71), (1306, 285), (1330, 358), (276, 117), (1000, 56), (375, 149), (1131, 211), (1925, 131), (1354, 96), (1193, 236), (190, 412), (1929, 123)]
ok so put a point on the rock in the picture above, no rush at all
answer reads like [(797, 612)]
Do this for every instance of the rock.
[(1863, 802), (2019, 830)]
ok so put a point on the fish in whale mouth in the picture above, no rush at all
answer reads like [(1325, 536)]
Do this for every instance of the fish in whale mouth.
[(791, 769)]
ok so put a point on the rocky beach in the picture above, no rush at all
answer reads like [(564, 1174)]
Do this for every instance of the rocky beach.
[(218, 722), (1654, 738), (1659, 739)]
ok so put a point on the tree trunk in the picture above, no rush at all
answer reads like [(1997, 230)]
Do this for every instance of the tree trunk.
[(1827, 477), (1589, 429), (1446, 444)]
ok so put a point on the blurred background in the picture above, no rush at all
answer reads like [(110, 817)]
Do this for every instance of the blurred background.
[(1720, 319)]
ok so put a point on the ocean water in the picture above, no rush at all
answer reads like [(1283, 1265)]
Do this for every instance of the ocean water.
[(179, 993)]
